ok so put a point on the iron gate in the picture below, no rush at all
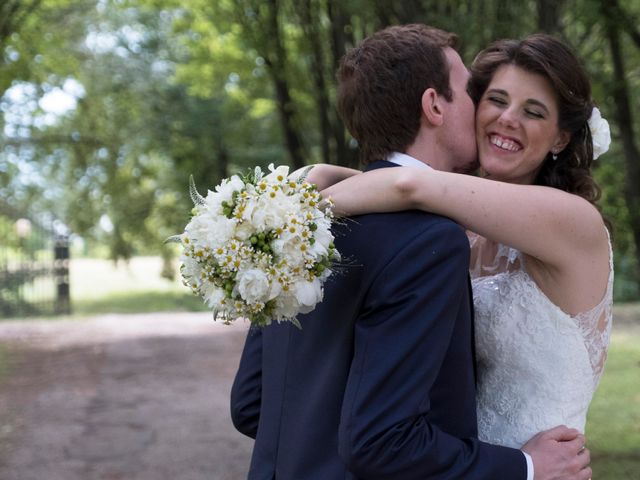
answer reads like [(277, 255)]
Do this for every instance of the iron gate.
[(34, 265)]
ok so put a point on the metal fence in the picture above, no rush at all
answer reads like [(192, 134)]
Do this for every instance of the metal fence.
[(34, 265)]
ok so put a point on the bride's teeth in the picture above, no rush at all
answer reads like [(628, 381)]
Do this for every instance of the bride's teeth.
[(504, 144)]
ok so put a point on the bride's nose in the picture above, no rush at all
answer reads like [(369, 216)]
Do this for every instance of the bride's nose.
[(508, 118)]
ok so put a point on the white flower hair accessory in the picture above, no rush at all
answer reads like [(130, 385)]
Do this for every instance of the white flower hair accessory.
[(600, 133)]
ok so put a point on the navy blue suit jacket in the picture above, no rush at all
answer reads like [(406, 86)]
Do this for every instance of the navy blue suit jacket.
[(380, 381)]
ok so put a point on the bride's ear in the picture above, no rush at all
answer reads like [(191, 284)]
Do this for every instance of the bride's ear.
[(432, 107), (562, 140)]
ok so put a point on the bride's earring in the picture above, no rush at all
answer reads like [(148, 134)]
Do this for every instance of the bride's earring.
[(554, 155)]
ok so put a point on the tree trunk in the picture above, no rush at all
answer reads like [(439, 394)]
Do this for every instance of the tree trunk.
[(12, 14), (549, 12), (383, 14), (308, 12), (276, 61), (625, 20), (621, 97), (504, 19), (338, 20)]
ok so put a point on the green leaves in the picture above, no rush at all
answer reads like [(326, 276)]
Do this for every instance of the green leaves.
[(210, 88)]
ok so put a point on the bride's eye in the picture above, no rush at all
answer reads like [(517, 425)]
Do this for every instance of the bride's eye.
[(497, 100), (533, 114)]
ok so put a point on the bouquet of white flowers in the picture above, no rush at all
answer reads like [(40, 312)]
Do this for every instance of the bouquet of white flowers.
[(259, 247)]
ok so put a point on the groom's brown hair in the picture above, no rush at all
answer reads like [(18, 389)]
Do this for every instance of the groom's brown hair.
[(381, 82)]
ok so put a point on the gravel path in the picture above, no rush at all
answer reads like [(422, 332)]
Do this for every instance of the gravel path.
[(121, 397)]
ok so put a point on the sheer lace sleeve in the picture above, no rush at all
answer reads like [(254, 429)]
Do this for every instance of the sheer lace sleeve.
[(489, 259), (595, 325)]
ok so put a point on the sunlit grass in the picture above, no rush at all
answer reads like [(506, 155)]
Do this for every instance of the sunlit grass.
[(97, 279), (4, 361), (613, 425), (139, 302), (101, 286)]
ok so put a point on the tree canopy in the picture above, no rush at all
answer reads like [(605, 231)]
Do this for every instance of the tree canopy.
[(157, 90)]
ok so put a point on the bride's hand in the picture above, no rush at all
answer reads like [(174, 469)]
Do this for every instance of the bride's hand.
[(324, 175)]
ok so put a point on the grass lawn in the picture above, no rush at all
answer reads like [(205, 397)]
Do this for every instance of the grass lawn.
[(613, 424), (100, 286), (4, 361)]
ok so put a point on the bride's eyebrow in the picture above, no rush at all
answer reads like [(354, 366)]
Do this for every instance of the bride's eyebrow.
[(498, 91)]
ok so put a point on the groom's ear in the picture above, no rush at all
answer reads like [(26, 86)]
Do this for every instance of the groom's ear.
[(432, 107)]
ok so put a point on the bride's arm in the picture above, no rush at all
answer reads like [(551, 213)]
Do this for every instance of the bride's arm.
[(543, 222), (324, 175)]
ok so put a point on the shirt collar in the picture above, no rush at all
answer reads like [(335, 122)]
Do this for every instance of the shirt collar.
[(405, 160)]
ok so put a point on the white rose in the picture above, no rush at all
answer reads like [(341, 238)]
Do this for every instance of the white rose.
[(600, 133), (244, 231), (308, 294), (289, 249), (253, 285), (214, 231), (275, 289), (286, 306), (212, 295), (249, 206), (323, 238), (190, 270), (278, 246), (212, 202), (227, 187), (270, 213)]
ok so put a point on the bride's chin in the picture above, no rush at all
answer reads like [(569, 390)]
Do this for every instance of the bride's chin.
[(487, 171)]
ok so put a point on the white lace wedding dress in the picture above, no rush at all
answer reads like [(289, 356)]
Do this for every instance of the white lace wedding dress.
[(538, 367)]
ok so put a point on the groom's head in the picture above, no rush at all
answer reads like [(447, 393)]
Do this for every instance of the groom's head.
[(383, 87)]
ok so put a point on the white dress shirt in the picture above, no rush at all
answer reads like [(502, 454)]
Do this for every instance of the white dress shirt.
[(405, 160)]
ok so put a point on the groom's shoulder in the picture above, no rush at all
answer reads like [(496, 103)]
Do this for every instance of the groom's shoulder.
[(402, 222), (399, 228)]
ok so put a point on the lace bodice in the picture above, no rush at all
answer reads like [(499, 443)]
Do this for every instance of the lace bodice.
[(538, 367)]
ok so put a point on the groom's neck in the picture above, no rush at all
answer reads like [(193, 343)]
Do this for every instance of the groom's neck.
[(431, 155)]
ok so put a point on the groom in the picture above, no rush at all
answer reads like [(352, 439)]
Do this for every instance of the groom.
[(380, 381)]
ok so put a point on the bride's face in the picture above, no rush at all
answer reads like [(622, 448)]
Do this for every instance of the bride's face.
[(517, 125)]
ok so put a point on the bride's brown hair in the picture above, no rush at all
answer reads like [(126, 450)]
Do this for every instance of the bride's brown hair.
[(550, 57)]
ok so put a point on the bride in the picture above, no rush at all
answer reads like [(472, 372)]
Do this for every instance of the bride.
[(541, 261)]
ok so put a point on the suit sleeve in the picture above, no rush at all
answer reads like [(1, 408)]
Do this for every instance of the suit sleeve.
[(401, 339), (246, 392)]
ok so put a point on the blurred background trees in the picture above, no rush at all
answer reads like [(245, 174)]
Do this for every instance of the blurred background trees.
[(109, 105)]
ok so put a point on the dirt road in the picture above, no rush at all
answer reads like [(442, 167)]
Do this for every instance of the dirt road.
[(120, 397)]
